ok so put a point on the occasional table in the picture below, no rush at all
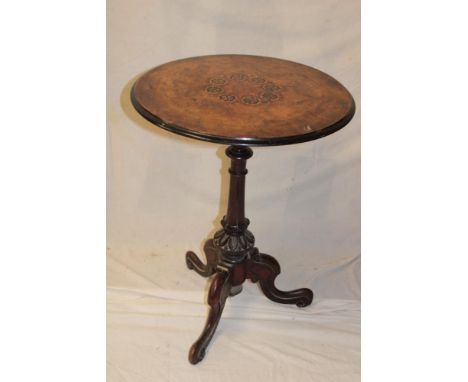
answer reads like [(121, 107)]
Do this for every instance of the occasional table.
[(241, 101)]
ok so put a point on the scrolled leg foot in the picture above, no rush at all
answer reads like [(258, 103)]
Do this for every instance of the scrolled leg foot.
[(194, 262), (264, 269), (219, 291)]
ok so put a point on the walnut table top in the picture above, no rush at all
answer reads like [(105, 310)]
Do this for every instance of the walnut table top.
[(243, 100)]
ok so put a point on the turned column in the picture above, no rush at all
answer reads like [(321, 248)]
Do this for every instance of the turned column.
[(234, 241), (235, 216)]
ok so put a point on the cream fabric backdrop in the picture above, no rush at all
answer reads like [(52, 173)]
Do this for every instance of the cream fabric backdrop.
[(166, 194)]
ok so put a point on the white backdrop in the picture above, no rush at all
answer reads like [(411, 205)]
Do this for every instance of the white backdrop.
[(166, 194)]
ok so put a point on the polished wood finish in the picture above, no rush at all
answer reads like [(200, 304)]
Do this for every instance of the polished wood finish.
[(243, 100), (232, 258)]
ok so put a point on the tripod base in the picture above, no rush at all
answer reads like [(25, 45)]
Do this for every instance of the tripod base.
[(227, 281)]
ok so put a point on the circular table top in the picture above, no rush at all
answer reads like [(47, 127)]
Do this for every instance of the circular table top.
[(243, 100)]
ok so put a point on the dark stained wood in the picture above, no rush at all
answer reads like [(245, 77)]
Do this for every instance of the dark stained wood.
[(264, 269), (205, 270), (243, 100), (236, 212), (233, 258), (219, 291)]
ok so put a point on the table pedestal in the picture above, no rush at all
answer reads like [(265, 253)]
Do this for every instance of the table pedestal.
[(232, 258)]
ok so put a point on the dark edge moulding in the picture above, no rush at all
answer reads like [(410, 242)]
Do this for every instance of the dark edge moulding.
[(276, 141)]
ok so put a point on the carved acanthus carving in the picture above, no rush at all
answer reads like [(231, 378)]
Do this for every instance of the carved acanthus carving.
[(236, 239)]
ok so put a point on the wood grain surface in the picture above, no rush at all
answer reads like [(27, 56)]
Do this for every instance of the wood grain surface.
[(241, 99)]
